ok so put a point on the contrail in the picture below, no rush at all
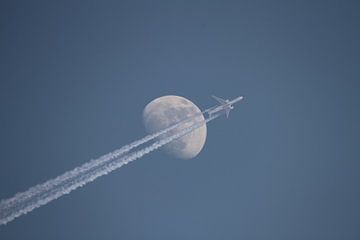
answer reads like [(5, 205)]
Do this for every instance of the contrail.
[(51, 184), (42, 194)]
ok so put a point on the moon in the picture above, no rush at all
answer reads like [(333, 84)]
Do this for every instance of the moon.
[(165, 111)]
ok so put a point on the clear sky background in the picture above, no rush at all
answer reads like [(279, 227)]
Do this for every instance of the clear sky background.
[(76, 75)]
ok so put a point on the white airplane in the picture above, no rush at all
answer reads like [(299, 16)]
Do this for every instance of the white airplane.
[(225, 105)]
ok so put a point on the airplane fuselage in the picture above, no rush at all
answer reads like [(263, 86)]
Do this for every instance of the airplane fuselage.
[(226, 105)]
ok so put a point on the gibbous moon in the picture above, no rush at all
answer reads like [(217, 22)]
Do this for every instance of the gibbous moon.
[(168, 110)]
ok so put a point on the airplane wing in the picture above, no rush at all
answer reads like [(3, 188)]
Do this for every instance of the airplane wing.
[(227, 111), (220, 100)]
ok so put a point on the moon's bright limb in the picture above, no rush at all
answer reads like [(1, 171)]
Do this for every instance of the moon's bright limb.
[(168, 110)]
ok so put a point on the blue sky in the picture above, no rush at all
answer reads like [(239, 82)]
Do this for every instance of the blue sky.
[(75, 77)]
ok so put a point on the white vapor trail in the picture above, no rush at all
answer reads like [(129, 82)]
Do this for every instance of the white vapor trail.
[(42, 194), (67, 176)]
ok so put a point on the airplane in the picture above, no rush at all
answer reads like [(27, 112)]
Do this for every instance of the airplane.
[(225, 105)]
